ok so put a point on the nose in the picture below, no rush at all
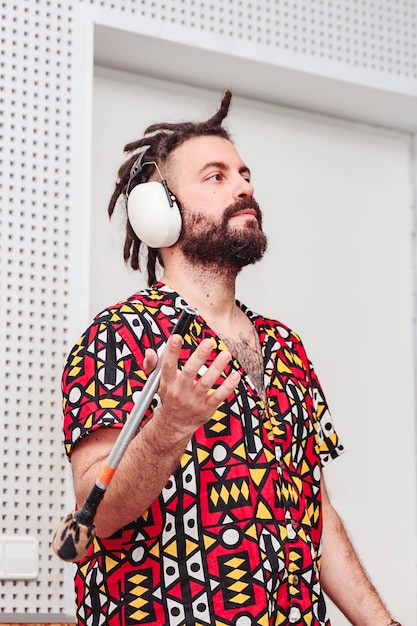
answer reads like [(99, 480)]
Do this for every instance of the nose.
[(243, 188)]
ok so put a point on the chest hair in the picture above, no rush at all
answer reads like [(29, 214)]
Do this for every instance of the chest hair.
[(246, 348)]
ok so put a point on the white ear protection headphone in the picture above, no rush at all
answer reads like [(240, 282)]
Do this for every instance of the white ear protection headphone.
[(152, 209)]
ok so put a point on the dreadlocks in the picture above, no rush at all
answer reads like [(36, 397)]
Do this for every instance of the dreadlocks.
[(159, 141)]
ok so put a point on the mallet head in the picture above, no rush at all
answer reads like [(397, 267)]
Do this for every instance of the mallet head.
[(73, 539)]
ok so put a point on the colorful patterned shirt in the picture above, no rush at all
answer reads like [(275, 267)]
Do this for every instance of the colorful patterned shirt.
[(235, 536)]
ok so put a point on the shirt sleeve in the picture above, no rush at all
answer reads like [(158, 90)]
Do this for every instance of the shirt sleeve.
[(99, 381), (328, 445)]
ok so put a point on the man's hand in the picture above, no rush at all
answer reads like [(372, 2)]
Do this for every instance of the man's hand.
[(187, 403), (152, 456)]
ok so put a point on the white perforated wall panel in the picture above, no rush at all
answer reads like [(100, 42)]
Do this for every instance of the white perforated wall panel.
[(38, 249), (34, 264), (376, 35)]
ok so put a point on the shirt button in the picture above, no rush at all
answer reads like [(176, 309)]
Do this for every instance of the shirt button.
[(295, 579)]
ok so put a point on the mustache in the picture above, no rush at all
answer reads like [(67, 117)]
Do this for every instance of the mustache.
[(241, 205)]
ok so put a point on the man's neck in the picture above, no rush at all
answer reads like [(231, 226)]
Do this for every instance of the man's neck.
[(210, 290)]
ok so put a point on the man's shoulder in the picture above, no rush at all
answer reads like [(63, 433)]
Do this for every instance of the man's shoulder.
[(271, 326), (281, 328), (147, 301)]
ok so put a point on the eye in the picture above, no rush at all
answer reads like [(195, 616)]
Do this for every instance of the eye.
[(215, 177), (245, 174)]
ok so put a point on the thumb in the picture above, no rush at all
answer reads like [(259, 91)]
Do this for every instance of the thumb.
[(150, 360)]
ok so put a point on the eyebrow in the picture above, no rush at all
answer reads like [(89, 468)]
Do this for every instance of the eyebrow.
[(222, 166)]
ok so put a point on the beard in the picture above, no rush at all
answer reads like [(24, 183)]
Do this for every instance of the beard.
[(205, 242)]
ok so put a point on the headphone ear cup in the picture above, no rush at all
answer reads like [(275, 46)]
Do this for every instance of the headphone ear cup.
[(153, 220)]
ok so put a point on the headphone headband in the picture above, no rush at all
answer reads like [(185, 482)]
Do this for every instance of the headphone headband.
[(137, 166)]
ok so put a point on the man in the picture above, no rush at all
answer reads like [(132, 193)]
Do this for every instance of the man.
[(218, 513)]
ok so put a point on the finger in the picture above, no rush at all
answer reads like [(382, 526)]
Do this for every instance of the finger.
[(197, 359), (217, 396), (169, 363), (150, 360), (215, 370)]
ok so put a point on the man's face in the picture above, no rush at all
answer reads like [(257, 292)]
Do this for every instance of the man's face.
[(222, 223)]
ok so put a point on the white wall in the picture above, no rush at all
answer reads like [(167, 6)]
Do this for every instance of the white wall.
[(336, 198)]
